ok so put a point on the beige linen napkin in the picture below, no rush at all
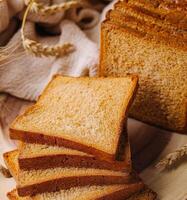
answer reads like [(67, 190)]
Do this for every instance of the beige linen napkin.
[(10, 8), (25, 76)]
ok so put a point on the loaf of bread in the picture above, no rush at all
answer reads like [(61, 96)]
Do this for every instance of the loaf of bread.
[(32, 182), (86, 114), (148, 38), (42, 156)]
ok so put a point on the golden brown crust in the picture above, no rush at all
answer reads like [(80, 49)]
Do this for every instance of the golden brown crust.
[(49, 161), (57, 141), (135, 185), (123, 142), (60, 183), (70, 182), (123, 194), (61, 159), (124, 152)]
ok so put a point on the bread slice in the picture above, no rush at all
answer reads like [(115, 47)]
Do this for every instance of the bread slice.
[(144, 26), (32, 182), (86, 114), (161, 65), (156, 12), (37, 156), (147, 17), (161, 6), (115, 192)]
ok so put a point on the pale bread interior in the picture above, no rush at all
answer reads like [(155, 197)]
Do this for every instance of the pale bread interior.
[(28, 150), (88, 111)]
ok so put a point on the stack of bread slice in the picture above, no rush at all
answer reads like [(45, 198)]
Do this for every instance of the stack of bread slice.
[(149, 38), (74, 143)]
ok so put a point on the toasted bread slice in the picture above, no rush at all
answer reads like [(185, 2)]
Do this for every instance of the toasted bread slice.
[(114, 192), (38, 156), (32, 182), (86, 114)]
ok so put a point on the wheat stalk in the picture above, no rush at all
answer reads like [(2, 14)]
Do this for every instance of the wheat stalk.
[(38, 49), (51, 10), (172, 158), (44, 50)]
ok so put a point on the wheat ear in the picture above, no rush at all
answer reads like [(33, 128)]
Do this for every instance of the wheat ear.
[(42, 50), (51, 10), (171, 158)]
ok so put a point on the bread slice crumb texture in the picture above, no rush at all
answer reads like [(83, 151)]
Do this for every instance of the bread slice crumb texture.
[(161, 97), (87, 111), (28, 150)]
